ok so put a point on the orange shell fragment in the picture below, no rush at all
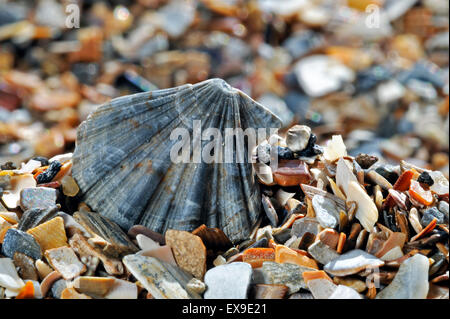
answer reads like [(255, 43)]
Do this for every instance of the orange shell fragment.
[(419, 194), (27, 292), (284, 254), (256, 256), (313, 275), (404, 181)]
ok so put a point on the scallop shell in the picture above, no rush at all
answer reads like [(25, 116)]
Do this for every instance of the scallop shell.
[(123, 168)]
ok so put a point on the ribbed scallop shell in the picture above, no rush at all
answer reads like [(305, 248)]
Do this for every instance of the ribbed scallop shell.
[(123, 168)]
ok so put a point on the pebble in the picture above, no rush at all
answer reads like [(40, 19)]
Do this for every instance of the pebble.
[(197, 286), (284, 274), (305, 225), (19, 241), (322, 252), (444, 208), (161, 279), (69, 186), (352, 262), (326, 211), (189, 251), (37, 197), (220, 260), (58, 287), (219, 285), (410, 282), (430, 214), (297, 137)]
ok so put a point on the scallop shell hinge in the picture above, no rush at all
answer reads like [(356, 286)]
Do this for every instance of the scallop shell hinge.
[(123, 166)]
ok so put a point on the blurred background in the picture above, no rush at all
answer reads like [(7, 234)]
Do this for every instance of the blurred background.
[(375, 71)]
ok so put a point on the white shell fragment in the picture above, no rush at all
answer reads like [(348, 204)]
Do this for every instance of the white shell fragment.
[(335, 148), (366, 211), (344, 175), (352, 262), (321, 288), (11, 197), (344, 292), (9, 278), (146, 243), (122, 289), (219, 285), (161, 279), (326, 211), (65, 261), (410, 282)]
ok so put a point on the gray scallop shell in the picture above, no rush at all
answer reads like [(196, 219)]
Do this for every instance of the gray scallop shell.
[(123, 168)]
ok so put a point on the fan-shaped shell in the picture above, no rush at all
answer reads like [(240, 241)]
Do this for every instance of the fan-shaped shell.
[(123, 168)]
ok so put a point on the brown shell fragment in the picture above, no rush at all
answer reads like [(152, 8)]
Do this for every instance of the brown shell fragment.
[(48, 282), (93, 286), (64, 260), (25, 266), (189, 251), (50, 234), (71, 293), (213, 238), (267, 291)]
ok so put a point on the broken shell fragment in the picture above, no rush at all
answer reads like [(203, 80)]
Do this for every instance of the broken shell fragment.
[(266, 291), (291, 173), (366, 212), (150, 174), (326, 211), (122, 289), (335, 149), (162, 280), (287, 274), (25, 267), (116, 241), (219, 287), (64, 260), (11, 197), (71, 293), (410, 282), (352, 262), (146, 243), (93, 286), (50, 234), (8, 275)]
